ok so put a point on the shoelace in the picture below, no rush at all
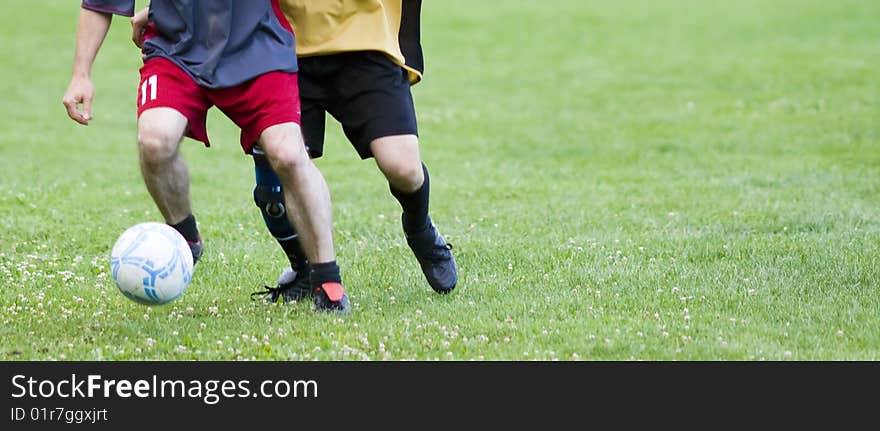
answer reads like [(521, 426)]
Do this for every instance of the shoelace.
[(272, 292), (437, 255)]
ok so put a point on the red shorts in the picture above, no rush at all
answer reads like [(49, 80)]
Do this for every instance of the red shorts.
[(267, 100)]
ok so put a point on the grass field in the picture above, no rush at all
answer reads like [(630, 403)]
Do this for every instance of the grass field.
[(649, 180)]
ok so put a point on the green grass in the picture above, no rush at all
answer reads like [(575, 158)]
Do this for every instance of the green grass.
[(650, 180)]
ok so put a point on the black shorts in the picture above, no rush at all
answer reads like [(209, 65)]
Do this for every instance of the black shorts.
[(365, 91)]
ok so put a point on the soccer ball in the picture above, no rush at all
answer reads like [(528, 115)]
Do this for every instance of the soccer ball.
[(151, 263)]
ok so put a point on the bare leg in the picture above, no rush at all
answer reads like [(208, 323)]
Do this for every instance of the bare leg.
[(398, 159), (160, 131), (305, 190)]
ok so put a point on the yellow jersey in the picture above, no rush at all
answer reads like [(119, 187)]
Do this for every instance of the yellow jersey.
[(324, 27)]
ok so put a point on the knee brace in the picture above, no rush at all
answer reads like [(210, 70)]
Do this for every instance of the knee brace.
[(269, 197)]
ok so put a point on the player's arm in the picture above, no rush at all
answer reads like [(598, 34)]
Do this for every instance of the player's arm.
[(94, 21), (90, 33), (138, 25)]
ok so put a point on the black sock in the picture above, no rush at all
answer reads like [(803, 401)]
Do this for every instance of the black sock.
[(326, 272), (295, 254), (415, 205), (188, 228)]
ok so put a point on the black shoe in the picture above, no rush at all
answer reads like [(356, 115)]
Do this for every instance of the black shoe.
[(196, 249), (435, 258), (331, 297), (292, 286)]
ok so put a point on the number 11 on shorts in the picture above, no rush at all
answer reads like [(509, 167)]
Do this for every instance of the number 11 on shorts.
[(149, 84)]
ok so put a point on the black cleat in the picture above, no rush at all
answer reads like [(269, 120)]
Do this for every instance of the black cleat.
[(292, 286), (435, 258), (196, 249), (331, 297)]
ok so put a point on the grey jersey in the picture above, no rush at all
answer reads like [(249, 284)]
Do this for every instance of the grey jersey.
[(220, 43)]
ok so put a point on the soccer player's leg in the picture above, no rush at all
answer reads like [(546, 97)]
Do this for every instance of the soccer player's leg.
[(293, 284), (267, 110), (170, 106), (378, 116), (306, 191), (398, 159)]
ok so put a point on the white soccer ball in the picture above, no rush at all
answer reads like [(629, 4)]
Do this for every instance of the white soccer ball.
[(151, 263)]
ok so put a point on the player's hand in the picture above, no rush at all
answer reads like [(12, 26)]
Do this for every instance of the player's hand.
[(79, 92), (138, 26)]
